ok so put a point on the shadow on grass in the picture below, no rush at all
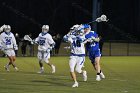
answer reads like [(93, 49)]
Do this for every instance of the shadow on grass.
[(51, 83)]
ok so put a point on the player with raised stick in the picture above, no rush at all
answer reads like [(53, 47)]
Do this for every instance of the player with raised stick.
[(77, 57), (8, 45), (93, 48)]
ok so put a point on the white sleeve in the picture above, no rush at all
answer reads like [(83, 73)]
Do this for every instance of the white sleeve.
[(14, 42), (37, 39), (1, 28), (50, 40), (0, 40), (70, 40)]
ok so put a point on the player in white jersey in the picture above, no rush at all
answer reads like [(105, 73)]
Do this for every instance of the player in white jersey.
[(8, 45), (45, 45), (77, 57)]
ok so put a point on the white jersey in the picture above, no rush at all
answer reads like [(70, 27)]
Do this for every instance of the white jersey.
[(77, 46), (45, 41), (7, 41)]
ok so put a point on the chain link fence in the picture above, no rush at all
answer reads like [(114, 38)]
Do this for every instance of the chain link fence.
[(109, 48)]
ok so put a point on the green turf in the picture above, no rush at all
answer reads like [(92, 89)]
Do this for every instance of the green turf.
[(122, 76)]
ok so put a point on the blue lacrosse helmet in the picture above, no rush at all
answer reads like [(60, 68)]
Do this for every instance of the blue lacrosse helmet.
[(86, 26)]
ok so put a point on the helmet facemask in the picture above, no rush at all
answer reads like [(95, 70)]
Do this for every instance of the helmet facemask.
[(7, 29), (45, 28)]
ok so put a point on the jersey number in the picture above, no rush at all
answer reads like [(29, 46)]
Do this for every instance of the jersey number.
[(93, 44), (8, 41), (77, 43), (41, 42)]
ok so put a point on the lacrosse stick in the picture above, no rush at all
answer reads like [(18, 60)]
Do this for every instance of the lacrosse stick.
[(102, 18), (27, 37)]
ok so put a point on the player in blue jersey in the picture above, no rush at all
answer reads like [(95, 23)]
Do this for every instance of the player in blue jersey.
[(93, 50)]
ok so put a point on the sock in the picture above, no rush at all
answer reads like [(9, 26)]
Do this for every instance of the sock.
[(100, 71), (42, 68), (16, 68), (76, 82)]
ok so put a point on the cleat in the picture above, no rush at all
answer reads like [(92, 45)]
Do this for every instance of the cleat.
[(75, 85), (85, 75), (98, 78), (41, 71), (6, 68), (53, 69), (102, 75), (16, 69)]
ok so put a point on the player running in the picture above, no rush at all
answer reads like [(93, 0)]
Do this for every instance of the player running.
[(8, 45), (45, 45), (93, 49), (77, 57)]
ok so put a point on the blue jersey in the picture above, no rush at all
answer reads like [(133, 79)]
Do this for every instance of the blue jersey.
[(92, 46)]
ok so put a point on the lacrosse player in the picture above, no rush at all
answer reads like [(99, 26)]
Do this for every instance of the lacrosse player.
[(93, 49), (77, 57), (8, 45), (45, 45)]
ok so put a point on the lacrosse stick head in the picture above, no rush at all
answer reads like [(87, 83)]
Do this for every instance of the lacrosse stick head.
[(26, 37), (104, 18), (45, 28)]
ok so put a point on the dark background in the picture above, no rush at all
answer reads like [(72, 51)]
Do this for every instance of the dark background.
[(27, 16)]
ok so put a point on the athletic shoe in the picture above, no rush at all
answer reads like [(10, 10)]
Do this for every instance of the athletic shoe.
[(98, 78), (16, 69), (102, 75), (75, 85), (53, 69), (6, 68), (85, 75), (41, 71)]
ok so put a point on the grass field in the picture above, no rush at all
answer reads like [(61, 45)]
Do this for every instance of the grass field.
[(122, 76)]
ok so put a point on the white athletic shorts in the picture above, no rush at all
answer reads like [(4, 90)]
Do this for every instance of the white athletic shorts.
[(9, 52), (43, 56), (77, 63)]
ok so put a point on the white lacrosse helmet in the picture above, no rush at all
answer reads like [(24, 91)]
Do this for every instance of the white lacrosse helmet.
[(7, 28), (45, 28)]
